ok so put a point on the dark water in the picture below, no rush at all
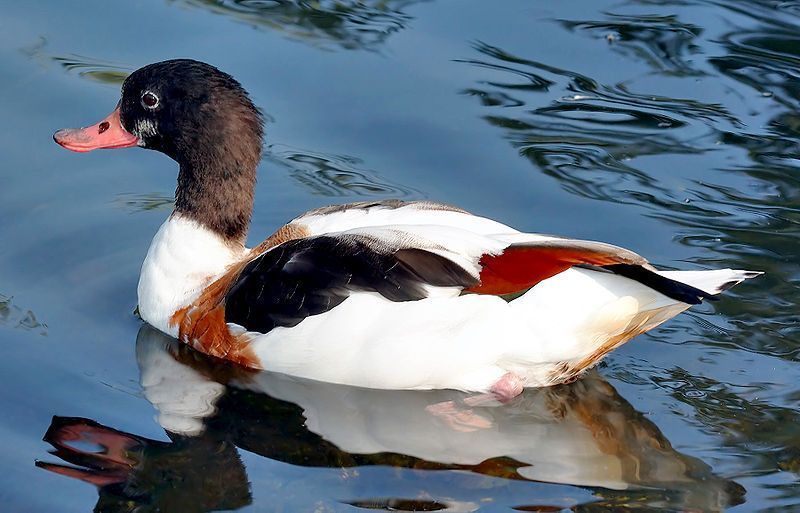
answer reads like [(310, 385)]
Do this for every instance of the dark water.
[(671, 128)]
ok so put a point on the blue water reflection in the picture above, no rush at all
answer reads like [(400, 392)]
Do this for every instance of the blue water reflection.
[(582, 434)]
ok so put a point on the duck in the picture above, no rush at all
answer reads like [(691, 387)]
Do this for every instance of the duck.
[(392, 294)]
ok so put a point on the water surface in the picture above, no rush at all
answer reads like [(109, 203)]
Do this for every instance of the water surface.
[(667, 127)]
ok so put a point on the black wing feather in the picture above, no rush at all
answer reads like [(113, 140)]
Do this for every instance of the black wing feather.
[(311, 276)]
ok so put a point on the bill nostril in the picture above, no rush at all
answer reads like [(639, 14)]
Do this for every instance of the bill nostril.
[(103, 127)]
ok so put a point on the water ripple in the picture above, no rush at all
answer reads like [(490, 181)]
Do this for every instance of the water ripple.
[(768, 434), (662, 41), (134, 202), (93, 69), (15, 317), (350, 25), (334, 175)]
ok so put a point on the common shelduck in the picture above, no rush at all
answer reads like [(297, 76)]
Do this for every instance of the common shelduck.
[(384, 294)]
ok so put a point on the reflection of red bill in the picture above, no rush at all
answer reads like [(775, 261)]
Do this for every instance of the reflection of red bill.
[(106, 134), (75, 440)]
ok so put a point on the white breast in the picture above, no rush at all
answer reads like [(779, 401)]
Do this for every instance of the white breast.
[(183, 258)]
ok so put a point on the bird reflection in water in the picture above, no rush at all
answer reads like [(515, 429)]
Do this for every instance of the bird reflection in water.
[(582, 434)]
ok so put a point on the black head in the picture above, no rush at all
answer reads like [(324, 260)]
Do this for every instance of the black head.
[(183, 107), (202, 118)]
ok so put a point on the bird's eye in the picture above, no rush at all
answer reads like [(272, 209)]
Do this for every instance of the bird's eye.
[(149, 100)]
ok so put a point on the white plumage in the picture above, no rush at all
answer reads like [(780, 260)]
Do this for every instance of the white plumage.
[(448, 340)]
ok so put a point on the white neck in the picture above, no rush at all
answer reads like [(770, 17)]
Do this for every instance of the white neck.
[(183, 258)]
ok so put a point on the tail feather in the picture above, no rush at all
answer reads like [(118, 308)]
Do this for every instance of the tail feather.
[(711, 282), (582, 314)]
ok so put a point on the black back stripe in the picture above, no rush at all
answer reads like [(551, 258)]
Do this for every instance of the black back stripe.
[(311, 276), (670, 288)]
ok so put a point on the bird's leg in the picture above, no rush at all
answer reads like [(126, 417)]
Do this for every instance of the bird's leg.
[(503, 391)]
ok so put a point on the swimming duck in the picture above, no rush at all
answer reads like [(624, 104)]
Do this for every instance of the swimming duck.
[(384, 294)]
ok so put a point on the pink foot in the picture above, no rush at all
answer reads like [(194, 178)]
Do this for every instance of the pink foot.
[(502, 392), (508, 387)]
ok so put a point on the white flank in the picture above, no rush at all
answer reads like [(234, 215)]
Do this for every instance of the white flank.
[(467, 342)]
